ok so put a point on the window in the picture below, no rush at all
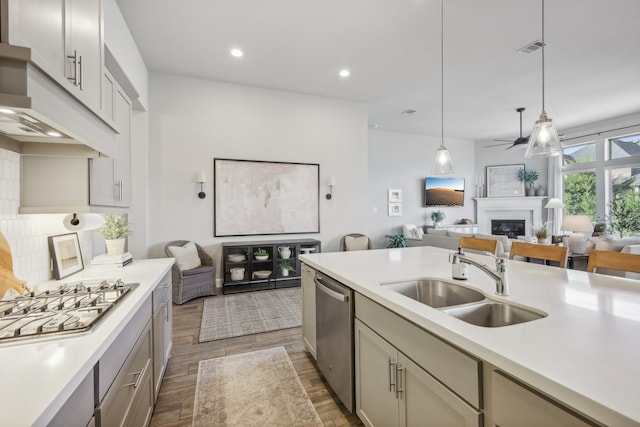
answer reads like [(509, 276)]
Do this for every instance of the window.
[(624, 205), (580, 194), (628, 146), (601, 178), (584, 153)]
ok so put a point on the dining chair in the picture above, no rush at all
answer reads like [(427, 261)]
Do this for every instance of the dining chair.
[(543, 252), (485, 245), (355, 242), (613, 260)]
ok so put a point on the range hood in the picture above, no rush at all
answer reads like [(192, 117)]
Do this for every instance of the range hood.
[(38, 117)]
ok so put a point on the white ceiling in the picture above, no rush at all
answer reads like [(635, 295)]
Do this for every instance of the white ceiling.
[(392, 48)]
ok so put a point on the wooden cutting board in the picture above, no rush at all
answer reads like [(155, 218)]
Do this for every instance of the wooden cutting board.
[(7, 279)]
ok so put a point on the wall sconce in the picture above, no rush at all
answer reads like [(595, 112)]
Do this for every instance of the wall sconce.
[(80, 222), (331, 182), (201, 178)]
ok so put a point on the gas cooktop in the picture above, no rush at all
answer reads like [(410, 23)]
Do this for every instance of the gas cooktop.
[(69, 308)]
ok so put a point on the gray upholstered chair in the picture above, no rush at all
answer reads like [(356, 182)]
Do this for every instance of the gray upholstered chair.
[(355, 241), (194, 283)]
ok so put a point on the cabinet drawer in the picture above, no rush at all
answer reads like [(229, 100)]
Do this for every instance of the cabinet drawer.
[(112, 360), (78, 409), (132, 379), (457, 370), (161, 293)]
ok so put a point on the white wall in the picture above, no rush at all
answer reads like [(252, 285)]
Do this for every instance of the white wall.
[(193, 121), (402, 161)]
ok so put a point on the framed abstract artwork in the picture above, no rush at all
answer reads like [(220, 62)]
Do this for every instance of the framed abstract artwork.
[(66, 255), (259, 197), (502, 181)]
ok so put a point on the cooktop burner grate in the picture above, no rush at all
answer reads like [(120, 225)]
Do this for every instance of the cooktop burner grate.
[(69, 308)]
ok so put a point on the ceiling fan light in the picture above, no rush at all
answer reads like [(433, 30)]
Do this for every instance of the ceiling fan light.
[(544, 140), (442, 163)]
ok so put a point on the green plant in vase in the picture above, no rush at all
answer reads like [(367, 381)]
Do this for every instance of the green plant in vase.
[(285, 267), (114, 230), (542, 233), (437, 217), (261, 254), (529, 177), (396, 241)]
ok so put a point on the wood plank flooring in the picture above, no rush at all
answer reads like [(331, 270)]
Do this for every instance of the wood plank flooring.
[(174, 407)]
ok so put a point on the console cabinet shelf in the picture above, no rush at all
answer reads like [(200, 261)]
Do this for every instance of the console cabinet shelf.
[(244, 271)]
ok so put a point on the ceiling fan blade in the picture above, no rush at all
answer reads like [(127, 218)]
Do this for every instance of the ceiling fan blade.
[(503, 140), (520, 142), (497, 145)]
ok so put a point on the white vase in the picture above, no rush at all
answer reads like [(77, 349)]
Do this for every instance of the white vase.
[(285, 273), (115, 246)]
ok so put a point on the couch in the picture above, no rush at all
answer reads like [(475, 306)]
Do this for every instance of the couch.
[(449, 240)]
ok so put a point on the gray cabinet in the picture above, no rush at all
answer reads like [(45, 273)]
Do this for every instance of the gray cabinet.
[(309, 309), (110, 178), (514, 404), (77, 411), (162, 331), (391, 390), (65, 38)]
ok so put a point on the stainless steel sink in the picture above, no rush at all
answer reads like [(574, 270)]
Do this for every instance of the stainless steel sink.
[(436, 293), (493, 314)]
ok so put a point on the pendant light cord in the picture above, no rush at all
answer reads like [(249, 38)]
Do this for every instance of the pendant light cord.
[(543, 56), (442, 71)]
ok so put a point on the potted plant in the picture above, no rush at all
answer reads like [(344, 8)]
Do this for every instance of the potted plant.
[(542, 234), (396, 241), (114, 230), (437, 216), (529, 177), (286, 266), (261, 254)]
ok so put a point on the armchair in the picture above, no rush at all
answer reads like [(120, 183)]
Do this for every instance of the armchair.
[(194, 282)]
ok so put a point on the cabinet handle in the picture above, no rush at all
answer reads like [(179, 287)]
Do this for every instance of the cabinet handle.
[(399, 375), (120, 187), (139, 374), (115, 191), (81, 66), (76, 68), (306, 269), (392, 374), (165, 285), (166, 316)]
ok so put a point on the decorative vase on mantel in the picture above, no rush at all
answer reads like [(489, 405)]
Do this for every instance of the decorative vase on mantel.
[(115, 246), (531, 191)]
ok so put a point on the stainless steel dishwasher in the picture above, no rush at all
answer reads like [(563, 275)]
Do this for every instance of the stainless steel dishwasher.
[(334, 336)]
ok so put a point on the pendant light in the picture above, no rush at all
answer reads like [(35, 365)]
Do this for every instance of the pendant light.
[(544, 140), (442, 163)]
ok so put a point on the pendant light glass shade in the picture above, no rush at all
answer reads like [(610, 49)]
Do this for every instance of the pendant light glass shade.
[(544, 140), (442, 163)]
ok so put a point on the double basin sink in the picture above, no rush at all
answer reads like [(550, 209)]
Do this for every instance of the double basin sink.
[(463, 303)]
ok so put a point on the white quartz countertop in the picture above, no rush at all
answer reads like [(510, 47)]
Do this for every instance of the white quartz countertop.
[(38, 375), (585, 352)]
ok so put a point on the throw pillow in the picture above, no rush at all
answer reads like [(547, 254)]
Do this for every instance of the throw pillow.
[(356, 243), (612, 244), (419, 233), (186, 256)]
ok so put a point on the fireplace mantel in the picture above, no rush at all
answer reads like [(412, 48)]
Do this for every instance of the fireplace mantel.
[(527, 208)]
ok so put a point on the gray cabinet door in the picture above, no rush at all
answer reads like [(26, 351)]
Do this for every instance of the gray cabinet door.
[(375, 361), (424, 402), (309, 309)]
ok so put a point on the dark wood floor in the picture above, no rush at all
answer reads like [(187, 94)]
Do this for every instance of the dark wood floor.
[(174, 407)]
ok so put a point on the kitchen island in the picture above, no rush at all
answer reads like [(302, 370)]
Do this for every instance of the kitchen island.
[(39, 375), (585, 354)]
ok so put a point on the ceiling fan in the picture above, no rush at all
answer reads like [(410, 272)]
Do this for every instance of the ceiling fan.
[(521, 141)]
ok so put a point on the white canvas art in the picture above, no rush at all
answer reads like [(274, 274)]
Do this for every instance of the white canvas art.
[(255, 197)]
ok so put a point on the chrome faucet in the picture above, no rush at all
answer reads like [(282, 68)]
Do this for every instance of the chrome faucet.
[(499, 274)]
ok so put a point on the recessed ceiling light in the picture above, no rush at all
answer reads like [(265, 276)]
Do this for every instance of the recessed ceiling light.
[(54, 134), (237, 53), (345, 73), (6, 111)]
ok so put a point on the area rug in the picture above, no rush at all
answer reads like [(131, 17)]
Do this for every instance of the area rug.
[(260, 388), (250, 313)]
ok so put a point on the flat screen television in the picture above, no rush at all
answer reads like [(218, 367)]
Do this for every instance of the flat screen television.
[(443, 191)]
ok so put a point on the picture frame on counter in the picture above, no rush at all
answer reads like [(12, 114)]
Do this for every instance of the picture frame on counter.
[(66, 255)]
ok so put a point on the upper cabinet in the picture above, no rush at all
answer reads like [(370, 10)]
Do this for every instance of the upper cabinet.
[(65, 37)]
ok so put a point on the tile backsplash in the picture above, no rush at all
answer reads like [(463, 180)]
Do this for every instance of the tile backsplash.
[(28, 234)]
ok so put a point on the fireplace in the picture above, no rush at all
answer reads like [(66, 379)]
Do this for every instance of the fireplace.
[(512, 228), (528, 209)]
